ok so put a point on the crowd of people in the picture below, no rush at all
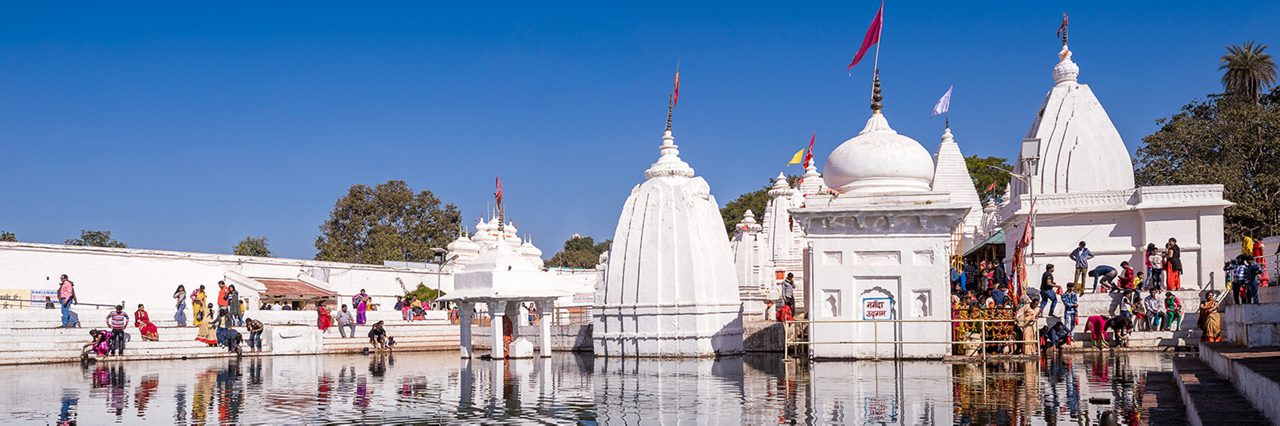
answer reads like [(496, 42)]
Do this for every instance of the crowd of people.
[(347, 323), (1146, 299)]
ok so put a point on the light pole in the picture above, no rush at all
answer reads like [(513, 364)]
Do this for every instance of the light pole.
[(1030, 194), (441, 261)]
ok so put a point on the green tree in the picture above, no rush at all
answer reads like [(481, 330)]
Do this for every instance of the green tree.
[(252, 246), (94, 238), (756, 201), (423, 293), (388, 222), (1226, 140), (8, 236), (1249, 70), (980, 170), (579, 252)]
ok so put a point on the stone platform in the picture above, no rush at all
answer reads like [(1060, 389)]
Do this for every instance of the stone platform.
[(33, 338), (1108, 304)]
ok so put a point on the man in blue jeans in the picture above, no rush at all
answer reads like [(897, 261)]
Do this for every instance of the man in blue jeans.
[(117, 321), (66, 296), (1048, 290)]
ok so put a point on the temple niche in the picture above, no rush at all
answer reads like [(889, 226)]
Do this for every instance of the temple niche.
[(670, 288), (1078, 170)]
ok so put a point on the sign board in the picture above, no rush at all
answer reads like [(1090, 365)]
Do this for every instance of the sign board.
[(877, 308), (14, 298), (584, 298), (18, 299)]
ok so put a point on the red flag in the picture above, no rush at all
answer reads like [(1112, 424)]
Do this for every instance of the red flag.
[(498, 195), (675, 94), (990, 187), (1062, 27), (808, 156), (872, 37)]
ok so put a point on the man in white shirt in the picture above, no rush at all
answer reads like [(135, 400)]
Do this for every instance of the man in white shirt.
[(1155, 310)]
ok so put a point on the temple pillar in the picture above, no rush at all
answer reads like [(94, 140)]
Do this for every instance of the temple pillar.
[(497, 311), (465, 316), (545, 307)]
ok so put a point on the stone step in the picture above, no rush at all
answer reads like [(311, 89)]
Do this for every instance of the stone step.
[(1210, 398), (1255, 372), (1162, 400)]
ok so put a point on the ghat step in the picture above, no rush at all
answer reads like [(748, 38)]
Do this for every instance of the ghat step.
[(1255, 372), (1210, 398)]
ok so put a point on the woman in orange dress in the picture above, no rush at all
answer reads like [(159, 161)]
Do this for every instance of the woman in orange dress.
[(144, 324), (323, 321)]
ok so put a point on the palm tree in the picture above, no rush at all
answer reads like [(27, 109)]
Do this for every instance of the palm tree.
[(1249, 70)]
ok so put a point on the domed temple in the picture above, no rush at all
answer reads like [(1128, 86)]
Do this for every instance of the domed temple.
[(878, 245)]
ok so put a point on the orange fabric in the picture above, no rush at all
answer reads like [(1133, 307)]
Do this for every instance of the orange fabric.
[(222, 297)]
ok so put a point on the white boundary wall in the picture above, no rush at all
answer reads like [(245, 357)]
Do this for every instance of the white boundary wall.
[(112, 275)]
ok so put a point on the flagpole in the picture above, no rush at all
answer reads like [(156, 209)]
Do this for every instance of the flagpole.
[(879, 31)]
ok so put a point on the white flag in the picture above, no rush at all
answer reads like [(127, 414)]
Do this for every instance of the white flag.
[(944, 104)]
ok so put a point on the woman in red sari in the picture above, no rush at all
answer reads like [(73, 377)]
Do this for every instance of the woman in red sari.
[(323, 321), (144, 324)]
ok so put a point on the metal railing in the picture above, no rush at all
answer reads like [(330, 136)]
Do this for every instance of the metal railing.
[(40, 304), (793, 339)]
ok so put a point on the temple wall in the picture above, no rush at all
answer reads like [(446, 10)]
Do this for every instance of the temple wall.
[(862, 279), (1118, 225), (107, 275)]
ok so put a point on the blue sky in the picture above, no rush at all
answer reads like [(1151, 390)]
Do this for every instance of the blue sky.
[(189, 126)]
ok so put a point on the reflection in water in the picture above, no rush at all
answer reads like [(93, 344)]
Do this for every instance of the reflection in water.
[(440, 388)]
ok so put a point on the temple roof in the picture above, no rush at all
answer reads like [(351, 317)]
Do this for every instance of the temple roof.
[(1072, 145), (951, 175)]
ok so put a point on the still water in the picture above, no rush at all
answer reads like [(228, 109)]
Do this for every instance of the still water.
[(440, 388)]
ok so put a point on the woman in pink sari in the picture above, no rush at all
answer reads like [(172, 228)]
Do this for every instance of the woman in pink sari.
[(145, 326)]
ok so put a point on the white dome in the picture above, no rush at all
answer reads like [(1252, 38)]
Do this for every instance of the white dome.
[(528, 249), (879, 160), (463, 245)]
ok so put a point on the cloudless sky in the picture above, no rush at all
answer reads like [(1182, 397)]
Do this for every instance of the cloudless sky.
[(186, 126)]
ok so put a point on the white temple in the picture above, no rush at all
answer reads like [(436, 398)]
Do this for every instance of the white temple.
[(878, 248), (1077, 169), (781, 241), (499, 270), (670, 287)]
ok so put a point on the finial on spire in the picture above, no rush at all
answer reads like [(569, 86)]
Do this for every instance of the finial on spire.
[(876, 98), (670, 106), (1062, 30)]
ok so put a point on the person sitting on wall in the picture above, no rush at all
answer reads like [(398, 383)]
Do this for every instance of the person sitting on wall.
[(784, 314)]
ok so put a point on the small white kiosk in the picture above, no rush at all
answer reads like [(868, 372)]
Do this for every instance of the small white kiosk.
[(504, 279)]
